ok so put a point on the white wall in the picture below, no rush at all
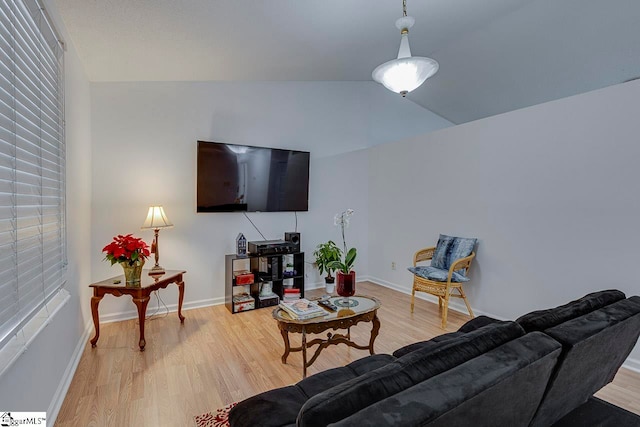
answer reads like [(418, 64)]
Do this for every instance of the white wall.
[(37, 380), (144, 152), (550, 191)]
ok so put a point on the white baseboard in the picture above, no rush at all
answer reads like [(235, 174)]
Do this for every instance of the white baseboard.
[(631, 364), (453, 305), (133, 314), (67, 377), (310, 286)]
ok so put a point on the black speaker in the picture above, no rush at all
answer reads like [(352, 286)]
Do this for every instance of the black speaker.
[(294, 239)]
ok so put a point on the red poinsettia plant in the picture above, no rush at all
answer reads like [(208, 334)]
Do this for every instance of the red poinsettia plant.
[(126, 249)]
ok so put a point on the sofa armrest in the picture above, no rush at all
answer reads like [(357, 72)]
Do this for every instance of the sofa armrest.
[(283, 404), (541, 320)]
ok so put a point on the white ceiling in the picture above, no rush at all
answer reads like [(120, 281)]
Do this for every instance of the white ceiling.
[(495, 55)]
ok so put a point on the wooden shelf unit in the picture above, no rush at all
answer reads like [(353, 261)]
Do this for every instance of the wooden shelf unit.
[(265, 268)]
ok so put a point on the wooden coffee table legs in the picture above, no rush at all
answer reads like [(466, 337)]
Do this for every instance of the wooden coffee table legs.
[(322, 343), (287, 347), (374, 333), (303, 348), (305, 365)]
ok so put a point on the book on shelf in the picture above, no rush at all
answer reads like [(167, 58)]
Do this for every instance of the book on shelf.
[(291, 294), (244, 297), (302, 309)]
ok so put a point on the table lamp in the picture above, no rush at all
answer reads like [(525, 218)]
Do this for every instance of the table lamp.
[(156, 219)]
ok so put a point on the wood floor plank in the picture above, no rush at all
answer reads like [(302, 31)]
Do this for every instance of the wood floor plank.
[(216, 358)]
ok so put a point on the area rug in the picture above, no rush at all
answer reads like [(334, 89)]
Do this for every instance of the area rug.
[(219, 418)]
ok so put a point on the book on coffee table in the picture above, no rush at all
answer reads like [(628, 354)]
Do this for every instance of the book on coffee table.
[(302, 309)]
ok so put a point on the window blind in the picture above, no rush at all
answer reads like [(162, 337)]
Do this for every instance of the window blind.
[(32, 164)]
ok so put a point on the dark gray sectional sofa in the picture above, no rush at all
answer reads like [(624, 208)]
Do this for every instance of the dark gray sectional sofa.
[(541, 370)]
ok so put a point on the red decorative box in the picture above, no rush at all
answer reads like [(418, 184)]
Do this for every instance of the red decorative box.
[(244, 278)]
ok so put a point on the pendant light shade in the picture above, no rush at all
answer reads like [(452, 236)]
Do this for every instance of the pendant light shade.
[(406, 73)]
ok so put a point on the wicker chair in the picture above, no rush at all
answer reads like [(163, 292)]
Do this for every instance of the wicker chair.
[(442, 289)]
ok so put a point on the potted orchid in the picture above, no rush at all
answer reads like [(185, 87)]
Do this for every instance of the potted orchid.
[(130, 252), (346, 276)]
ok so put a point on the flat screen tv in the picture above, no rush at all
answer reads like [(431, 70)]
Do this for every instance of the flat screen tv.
[(241, 178)]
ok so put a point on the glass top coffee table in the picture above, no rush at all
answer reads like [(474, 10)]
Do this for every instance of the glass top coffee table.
[(366, 310)]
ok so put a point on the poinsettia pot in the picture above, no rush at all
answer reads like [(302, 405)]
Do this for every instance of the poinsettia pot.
[(132, 271)]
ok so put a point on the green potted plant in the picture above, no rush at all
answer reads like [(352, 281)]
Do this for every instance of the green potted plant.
[(349, 260), (325, 254)]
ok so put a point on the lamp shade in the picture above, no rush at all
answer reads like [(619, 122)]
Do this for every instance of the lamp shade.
[(406, 72), (403, 75), (156, 218)]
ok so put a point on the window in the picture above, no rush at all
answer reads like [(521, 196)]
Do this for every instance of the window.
[(32, 165)]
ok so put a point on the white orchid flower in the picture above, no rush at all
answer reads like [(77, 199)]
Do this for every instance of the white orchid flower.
[(342, 219)]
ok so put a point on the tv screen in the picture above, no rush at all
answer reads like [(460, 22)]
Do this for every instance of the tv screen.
[(240, 178)]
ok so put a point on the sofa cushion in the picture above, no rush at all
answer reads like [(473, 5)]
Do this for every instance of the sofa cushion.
[(426, 345), (351, 396), (471, 325), (283, 404), (324, 380), (545, 319), (451, 248), (594, 347), (501, 387), (437, 274)]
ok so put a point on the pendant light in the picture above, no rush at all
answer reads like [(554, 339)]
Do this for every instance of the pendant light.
[(406, 73)]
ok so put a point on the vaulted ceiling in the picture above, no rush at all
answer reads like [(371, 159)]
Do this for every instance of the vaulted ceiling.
[(495, 55)]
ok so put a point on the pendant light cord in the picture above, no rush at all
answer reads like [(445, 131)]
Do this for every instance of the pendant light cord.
[(404, 8)]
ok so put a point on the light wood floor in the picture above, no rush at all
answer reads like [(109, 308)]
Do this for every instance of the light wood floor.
[(216, 358)]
